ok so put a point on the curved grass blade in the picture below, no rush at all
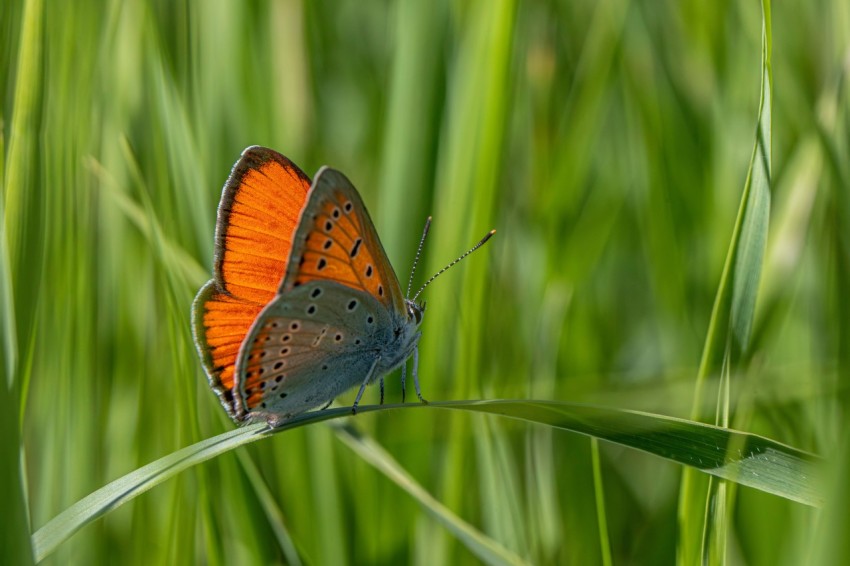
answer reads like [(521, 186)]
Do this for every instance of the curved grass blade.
[(702, 535), (274, 515), (118, 492), (485, 548), (745, 458), (742, 457)]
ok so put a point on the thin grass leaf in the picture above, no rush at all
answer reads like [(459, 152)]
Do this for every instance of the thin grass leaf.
[(601, 514), (485, 548), (14, 179), (466, 194), (731, 318), (14, 539), (741, 457), (9, 351), (726, 345), (118, 492), (272, 510), (174, 258), (22, 140), (325, 496), (498, 479)]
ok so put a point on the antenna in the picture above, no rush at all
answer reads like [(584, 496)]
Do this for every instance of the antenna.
[(416, 259), (469, 251)]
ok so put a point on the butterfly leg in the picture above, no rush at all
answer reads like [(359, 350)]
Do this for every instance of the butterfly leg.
[(328, 404), (363, 385), (382, 391), (416, 375), (403, 375)]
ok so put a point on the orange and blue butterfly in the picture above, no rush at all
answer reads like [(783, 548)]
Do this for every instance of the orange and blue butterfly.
[(303, 304)]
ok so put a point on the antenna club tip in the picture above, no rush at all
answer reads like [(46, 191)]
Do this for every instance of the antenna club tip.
[(487, 237)]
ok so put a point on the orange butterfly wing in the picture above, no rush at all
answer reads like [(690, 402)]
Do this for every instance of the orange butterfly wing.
[(259, 210), (335, 241)]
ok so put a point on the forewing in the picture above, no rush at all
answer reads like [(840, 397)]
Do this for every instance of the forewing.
[(257, 216), (336, 241)]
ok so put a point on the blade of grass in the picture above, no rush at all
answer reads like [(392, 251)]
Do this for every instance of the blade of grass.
[(753, 460), (272, 510), (498, 478), (15, 177), (745, 458), (411, 123), (14, 539), (470, 161), (326, 499), (702, 535), (23, 125), (832, 545), (599, 492), (10, 341), (118, 492), (485, 548)]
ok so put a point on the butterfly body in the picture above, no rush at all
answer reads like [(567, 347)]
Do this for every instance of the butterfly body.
[(304, 304)]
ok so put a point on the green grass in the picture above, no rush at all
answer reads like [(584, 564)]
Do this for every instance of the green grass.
[(610, 145)]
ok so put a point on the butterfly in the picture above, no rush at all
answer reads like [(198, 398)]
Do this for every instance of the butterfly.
[(303, 304)]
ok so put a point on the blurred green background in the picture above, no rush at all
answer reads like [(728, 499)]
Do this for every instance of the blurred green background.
[(607, 142)]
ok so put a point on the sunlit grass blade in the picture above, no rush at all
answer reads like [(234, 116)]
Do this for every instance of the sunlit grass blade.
[(9, 347), (17, 180), (174, 258), (412, 107), (118, 492), (15, 539), (470, 160), (326, 498), (744, 458), (485, 548), (703, 535), (731, 319), (272, 510), (741, 457), (498, 478), (18, 175)]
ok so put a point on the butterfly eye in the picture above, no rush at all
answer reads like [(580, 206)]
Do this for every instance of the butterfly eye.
[(415, 312)]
